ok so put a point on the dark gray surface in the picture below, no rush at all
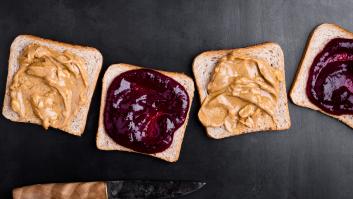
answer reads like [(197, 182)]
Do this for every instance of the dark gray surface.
[(314, 159)]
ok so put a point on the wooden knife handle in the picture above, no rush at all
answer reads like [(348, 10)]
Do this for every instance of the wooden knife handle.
[(87, 190)]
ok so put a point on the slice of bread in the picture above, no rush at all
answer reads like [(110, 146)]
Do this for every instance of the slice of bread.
[(93, 63), (203, 68), (104, 142), (318, 40)]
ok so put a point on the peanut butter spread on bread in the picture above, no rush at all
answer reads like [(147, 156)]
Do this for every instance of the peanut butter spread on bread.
[(242, 90), (49, 85)]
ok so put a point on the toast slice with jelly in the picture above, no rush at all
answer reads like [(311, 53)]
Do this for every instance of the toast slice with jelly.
[(317, 41), (105, 142)]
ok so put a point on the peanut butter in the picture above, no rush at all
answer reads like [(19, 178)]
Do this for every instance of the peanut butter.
[(49, 85), (242, 89)]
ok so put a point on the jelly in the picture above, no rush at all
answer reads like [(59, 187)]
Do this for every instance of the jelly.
[(330, 82), (143, 110)]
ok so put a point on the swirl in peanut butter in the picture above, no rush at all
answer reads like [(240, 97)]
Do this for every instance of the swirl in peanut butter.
[(49, 86), (242, 90)]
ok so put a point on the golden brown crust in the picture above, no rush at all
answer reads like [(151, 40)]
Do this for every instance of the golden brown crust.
[(58, 43), (256, 46)]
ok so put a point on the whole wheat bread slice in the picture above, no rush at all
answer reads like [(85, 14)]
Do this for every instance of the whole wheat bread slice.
[(316, 43), (104, 142), (93, 63), (203, 68)]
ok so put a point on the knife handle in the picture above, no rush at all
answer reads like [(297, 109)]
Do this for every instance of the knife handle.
[(87, 190)]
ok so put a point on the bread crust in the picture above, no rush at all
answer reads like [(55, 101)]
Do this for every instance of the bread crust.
[(104, 142), (204, 64), (318, 39), (93, 59)]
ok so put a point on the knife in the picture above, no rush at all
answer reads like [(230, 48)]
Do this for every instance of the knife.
[(121, 189)]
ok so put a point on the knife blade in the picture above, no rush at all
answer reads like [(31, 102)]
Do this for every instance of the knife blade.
[(121, 189)]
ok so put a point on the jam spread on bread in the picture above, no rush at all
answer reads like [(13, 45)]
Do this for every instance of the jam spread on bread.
[(143, 110), (330, 82)]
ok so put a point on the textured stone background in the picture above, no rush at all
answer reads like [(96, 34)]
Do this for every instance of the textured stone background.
[(314, 159)]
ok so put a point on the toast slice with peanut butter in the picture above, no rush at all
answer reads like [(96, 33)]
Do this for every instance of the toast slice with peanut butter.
[(242, 90), (50, 83)]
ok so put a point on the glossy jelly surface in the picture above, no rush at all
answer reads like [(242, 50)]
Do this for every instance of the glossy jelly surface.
[(143, 110), (330, 82)]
